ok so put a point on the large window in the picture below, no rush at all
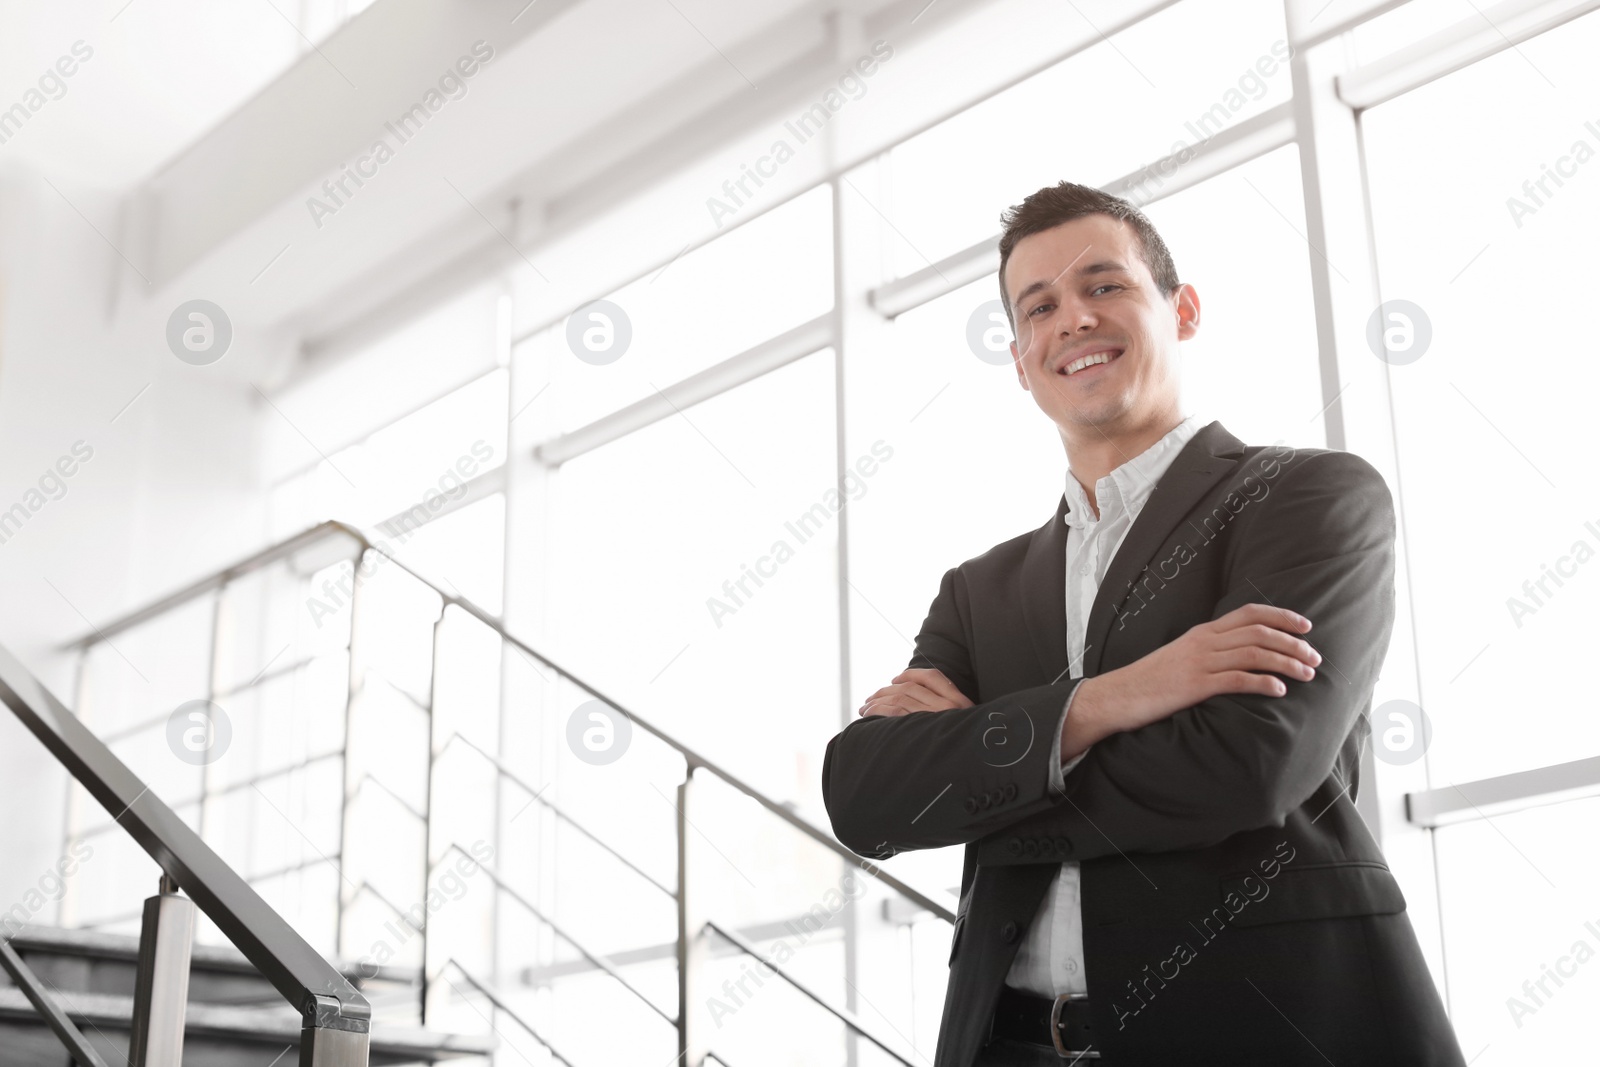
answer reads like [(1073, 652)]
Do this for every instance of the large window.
[(1482, 245), (771, 274), (1501, 502), (1120, 105), (1240, 240), (741, 561), (695, 565)]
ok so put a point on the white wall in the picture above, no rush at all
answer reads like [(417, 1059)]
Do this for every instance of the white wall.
[(168, 493)]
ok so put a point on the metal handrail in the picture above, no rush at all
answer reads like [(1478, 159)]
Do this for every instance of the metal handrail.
[(514, 779), (593, 957), (315, 535), (405, 805), (325, 1000), (500, 1005), (155, 721), (841, 1014), (307, 538), (54, 1016), (556, 810)]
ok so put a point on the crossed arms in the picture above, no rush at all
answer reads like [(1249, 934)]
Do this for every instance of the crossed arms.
[(1195, 742)]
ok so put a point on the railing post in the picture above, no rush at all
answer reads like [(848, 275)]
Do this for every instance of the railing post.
[(161, 993), (336, 1015), (66, 907), (692, 945), (427, 807), (213, 686), (354, 682), (331, 1045)]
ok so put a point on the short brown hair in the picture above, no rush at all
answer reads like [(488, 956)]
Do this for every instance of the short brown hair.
[(1055, 204)]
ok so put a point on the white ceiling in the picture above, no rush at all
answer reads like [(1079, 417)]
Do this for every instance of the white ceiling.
[(161, 73), (218, 122)]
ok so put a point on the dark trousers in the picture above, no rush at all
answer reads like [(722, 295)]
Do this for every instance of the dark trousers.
[(1003, 1053)]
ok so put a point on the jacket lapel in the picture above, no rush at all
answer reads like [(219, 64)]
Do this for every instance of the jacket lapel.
[(1208, 456), (1044, 594)]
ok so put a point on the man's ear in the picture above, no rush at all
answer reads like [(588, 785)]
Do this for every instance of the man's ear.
[(1186, 302)]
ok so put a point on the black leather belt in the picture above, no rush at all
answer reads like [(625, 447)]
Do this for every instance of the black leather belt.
[(1062, 1023)]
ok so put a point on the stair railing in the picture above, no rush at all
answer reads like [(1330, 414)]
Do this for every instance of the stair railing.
[(334, 541), (54, 1016), (336, 1018)]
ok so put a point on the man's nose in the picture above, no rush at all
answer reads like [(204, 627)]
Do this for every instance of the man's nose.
[(1074, 317)]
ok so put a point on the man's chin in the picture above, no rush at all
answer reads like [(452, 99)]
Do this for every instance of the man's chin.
[(1100, 412)]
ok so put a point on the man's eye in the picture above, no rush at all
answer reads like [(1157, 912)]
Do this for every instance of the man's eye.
[(1038, 309), (1098, 288)]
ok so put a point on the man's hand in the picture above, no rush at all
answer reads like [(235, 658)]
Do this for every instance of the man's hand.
[(1239, 653), (915, 689)]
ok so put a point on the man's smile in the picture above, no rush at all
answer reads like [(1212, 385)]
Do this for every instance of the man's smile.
[(1085, 362)]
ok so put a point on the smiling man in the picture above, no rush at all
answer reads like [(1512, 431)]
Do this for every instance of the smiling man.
[(1144, 720)]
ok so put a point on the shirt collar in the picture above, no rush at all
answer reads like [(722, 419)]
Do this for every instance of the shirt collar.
[(1130, 483)]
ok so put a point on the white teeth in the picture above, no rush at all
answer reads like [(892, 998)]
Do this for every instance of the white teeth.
[(1088, 361)]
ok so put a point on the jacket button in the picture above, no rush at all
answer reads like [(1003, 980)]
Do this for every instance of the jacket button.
[(1014, 846), (1063, 845), (1011, 791), (985, 800), (1009, 932), (971, 804), (1029, 847)]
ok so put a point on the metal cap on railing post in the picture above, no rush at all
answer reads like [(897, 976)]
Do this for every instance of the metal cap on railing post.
[(161, 992), (325, 1040)]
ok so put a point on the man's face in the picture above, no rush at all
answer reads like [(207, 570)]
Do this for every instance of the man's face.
[(1082, 289)]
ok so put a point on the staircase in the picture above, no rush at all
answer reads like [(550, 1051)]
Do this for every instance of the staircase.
[(380, 813), (235, 1018)]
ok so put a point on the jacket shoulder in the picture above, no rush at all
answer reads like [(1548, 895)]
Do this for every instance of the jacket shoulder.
[(1006, 556), (1328, 463)]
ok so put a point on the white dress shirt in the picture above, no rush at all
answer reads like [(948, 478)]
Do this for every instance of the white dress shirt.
[(1049, 961)]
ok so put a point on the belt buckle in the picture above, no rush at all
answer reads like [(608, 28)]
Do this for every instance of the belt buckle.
[(1055, 1029)]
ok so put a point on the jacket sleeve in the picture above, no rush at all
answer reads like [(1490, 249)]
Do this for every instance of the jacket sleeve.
[(1321, 543), (934, 778)]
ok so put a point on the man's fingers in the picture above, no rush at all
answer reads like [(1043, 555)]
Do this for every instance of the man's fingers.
[(890, 703), (915, 689), (1251, 614), (883, 708), (1254, 658), (1260, 635), (1249, 682), (912, 697), (935, 680)]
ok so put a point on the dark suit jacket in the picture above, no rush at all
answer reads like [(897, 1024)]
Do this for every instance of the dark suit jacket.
[(1236, 908)]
